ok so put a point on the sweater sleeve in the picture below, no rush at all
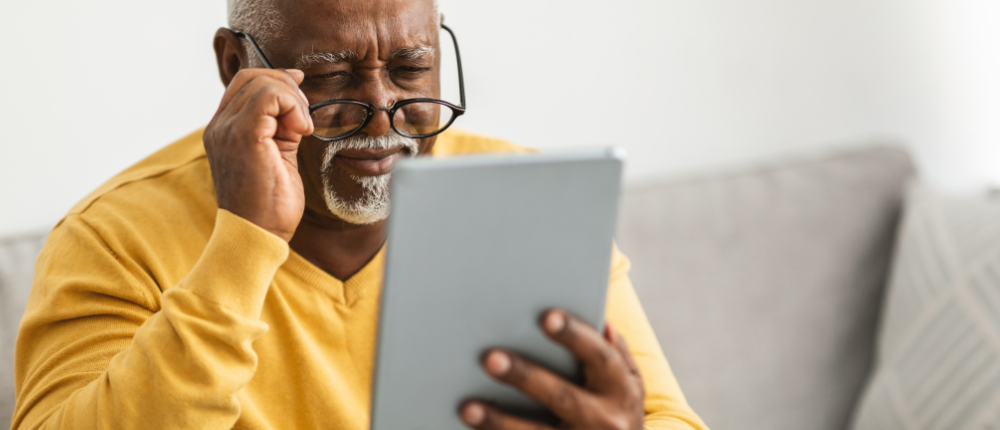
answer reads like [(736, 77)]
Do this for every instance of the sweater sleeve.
[(666, 408), (101, 347)]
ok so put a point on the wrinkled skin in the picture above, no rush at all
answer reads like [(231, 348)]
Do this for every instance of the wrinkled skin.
[(266, 169), (257, 109)]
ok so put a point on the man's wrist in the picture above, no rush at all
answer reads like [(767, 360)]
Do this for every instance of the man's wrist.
[(259, 222), (237, 265)]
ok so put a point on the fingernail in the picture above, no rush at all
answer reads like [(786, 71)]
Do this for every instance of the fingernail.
[(474, 414), (498, 363), (555, 322)]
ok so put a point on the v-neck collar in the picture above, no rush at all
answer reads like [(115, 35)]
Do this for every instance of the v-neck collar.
[(368, 279)]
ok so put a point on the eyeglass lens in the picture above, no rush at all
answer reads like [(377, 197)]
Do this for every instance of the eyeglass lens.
[(411, 120)]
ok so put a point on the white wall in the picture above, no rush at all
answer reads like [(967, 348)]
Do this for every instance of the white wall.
[(90, 87)]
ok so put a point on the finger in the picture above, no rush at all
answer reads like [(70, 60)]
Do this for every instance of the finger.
[(276, 99), (604, 366), (618, 341), (290, 83), (294, 78), (481, 417), (256, 129), (258, 125), (297, 77), (283, 81), (237, 87), (236, 111), (562, 397)]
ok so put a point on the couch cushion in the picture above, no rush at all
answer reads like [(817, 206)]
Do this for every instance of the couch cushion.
[(17, 265), (939, 342), (764, 286)]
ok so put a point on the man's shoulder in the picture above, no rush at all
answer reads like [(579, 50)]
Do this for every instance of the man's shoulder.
[(167, 198), (152, 220), (183, 154), (176, 181), (461, 142)]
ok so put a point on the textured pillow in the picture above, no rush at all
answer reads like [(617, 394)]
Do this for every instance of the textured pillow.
[(938, 352), (17, 264)]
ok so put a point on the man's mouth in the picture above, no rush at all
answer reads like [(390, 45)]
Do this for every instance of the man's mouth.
[(369, 162)]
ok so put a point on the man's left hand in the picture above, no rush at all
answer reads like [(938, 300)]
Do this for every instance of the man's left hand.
[(612, 398)]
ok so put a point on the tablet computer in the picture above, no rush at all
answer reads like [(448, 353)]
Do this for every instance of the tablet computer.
[(478, 248)]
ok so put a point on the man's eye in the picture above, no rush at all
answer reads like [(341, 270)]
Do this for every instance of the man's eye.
[(410, 72), (332, 76)]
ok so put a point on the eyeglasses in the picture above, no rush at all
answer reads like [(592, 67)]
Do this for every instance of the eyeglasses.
[(414, 118)]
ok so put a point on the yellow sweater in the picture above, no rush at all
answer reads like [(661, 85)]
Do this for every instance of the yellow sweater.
[(152, 308)]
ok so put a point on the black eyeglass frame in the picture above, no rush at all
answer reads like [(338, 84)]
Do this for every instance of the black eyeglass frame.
[(370, 108)]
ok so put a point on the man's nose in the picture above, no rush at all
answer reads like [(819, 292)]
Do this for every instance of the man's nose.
[(380, 123), (380, 96)]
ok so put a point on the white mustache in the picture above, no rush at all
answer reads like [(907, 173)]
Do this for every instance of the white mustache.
[(364, 141), (374, 205)]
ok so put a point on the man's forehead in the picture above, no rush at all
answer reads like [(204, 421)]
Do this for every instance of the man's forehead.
[(347, 30), (359, 16)]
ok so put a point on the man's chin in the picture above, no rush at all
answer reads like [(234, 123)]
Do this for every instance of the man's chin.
[(355, 175), (367, 201), (359, 219)]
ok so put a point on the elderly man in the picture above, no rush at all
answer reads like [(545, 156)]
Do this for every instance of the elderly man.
[(231, 280)]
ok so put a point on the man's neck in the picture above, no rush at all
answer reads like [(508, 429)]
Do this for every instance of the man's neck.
[(337, 247)]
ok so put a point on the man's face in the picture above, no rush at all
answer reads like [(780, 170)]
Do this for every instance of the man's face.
[(374, 51)]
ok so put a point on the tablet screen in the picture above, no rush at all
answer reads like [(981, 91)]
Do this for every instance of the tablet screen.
[(479, 247)]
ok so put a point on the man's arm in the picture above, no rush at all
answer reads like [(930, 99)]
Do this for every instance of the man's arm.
[(665, 405), (100, 347)]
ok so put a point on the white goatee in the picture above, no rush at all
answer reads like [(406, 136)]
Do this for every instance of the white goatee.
[(373, 206)]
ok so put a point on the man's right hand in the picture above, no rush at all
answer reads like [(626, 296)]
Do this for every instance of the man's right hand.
[(252, 143)]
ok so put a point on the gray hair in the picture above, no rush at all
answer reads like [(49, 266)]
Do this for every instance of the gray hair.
[(262, 20), (259, 18)]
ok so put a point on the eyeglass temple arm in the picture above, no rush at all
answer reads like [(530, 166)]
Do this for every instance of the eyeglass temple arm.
[(256, 48), (458, 59)]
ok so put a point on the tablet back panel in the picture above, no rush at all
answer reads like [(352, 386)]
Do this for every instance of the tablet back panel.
[(478, 248)]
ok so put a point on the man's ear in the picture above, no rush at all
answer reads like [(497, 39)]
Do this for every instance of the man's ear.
[(229, 54)]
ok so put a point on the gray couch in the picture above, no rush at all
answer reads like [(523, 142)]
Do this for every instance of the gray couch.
[(763, 284), (17, 262)]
